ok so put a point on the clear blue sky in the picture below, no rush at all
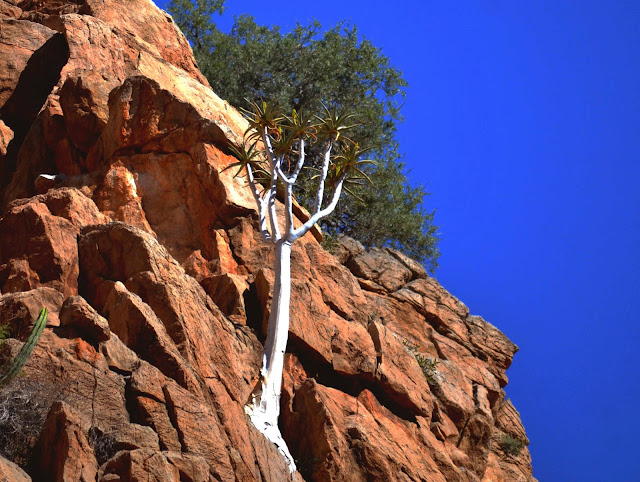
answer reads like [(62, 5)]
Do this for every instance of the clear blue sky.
[(523, 119)]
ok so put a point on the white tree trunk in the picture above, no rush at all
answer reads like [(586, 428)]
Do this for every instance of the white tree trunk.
[(265, 408)]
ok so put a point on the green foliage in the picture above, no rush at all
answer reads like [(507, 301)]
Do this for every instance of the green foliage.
[(19, 361), (194, 18), (511, 445), (285, 136), (5, 331), (306, 69), (429, 366), (390, 215), (329, 242)]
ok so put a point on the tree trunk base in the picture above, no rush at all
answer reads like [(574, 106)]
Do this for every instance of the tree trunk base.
[(260, 420)]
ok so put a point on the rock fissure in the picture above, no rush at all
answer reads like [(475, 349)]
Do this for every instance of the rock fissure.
[(171, 412), (40, 74), (353, 385)]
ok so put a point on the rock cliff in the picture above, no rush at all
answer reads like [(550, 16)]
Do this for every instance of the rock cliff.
[(119, 218)]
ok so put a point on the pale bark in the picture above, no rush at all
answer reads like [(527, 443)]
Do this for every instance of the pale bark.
[(264, 408)]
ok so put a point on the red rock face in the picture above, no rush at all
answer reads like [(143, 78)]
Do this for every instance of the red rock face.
[(119, 217)]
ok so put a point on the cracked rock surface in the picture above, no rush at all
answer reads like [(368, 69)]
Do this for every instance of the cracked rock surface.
[(118, 216)]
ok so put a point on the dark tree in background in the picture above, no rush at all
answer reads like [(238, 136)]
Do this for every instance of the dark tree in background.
[(302, 69)]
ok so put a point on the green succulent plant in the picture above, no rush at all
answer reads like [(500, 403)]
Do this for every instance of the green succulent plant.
[(19, 361)]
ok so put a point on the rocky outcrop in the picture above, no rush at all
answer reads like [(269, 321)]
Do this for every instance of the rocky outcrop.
[(120, 218)]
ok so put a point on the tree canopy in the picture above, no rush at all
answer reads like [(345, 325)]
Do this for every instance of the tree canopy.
[(305, 69)]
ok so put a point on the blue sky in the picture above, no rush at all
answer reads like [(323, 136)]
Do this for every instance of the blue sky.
[(523, 118)]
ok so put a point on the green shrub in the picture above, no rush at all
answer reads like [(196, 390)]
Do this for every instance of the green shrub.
[(511, 445), (428, 365), (5, 331), (329, 242)]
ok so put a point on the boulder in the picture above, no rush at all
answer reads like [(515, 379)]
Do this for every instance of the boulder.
[(65, 453), (77, 314)]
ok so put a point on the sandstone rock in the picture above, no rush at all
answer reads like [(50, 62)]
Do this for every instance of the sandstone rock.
[(191, 418), (318, 330), (399, 374), (126, 437), (489, 342), (347, 248), (337, 433), (501, 461), (353, 351), (10, 472), (178, 417), (196, 327), (508, 419), (147, 396), (117, 197), (339, 289), (76, 313), (499, 470), (417, 270), (119, 356), (442, 426), (455, 392), (36, 152), (79, 374), (6, 135), (155, 112), (137, 326), (65, 453), (368, 285), (153, 25), (84, 100), (38, 240), (19, 41), (32, 56), (472, 368), (445, 312), (20, 310), (475, 442), (10, 9), (153, 466), (227, 292), (379, 266)]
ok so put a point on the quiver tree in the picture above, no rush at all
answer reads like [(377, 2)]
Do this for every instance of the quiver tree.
[(272, 155)]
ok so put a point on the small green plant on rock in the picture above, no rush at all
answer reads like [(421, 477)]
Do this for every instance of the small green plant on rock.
[(5, 332), (428, 365), (19, 361), (511, 445), (329, 242)]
